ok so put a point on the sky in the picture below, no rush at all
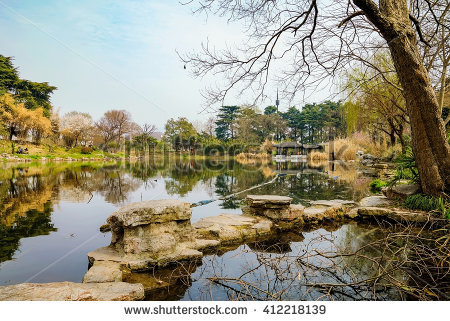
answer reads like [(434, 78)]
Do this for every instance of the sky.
[(117, 54)]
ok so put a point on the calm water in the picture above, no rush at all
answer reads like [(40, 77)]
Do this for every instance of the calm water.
[(50, 216)]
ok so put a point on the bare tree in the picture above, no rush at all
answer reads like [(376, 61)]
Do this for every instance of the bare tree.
[(114, 124), (321, 39), (148, 129)]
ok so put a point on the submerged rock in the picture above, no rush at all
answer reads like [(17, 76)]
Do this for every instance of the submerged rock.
[(69, 291)]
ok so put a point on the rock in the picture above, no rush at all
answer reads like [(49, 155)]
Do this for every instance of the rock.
[(105, 228), (366, 162), (147, 212), (333, 203), (352, 214), (276, 208), (326, 210), (268, 201), (149, 234), (232, 228), (103, 271), (369, 157), (401, 192), (395, 214), (374, 211), (146, 261), (317, 213), (69, 291), (375, 201), (360, 153), (380, 166), (295, 212)]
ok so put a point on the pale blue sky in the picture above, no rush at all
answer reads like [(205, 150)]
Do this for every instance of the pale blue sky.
[(114, 54)]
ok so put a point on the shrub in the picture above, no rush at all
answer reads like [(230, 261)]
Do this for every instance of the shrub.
[(406, 168), (86, 150), (214, 149), (376, 185), (428, 203)]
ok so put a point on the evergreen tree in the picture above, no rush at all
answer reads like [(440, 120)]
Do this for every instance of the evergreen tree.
[(225, 122)]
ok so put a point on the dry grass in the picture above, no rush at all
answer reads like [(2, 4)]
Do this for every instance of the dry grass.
[(344, 149), (317, 156), (253, 156), (365, 143)]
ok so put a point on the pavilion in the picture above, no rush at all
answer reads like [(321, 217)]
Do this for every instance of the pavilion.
[(295, 148)]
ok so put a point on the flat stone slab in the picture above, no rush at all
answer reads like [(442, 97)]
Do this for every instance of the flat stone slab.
[(103, 271), (142, 262), (375, 201), (69, 291), (289, 213), (333, 203), (394, 214), (318, 213), (268, 200), (230, 228), (147, 212)]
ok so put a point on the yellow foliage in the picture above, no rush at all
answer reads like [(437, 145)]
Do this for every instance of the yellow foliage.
[(267, 146), (22, 121)]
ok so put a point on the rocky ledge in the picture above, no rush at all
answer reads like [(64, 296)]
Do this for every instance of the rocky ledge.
[(145, 235), (69, 291), (153, 234), (382, 208)]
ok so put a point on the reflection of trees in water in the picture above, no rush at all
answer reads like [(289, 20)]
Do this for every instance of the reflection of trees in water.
[(349, 262), (32, 223), (308, 186), (115, 185), (21, 193)]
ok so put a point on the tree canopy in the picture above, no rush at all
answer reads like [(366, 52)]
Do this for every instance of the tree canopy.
[(32, 94)]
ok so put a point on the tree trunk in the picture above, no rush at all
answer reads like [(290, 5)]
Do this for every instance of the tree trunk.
[(429, 142)]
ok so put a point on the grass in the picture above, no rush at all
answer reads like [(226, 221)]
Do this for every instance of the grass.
[(241, 156), (376, 185), (428, 203), (38, 151)]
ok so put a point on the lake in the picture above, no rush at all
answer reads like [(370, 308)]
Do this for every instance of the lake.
[(51, 214)]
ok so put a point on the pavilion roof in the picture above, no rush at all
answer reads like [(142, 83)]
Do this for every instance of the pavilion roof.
[(296, 145)]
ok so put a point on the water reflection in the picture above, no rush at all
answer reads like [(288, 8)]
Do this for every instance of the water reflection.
[(338, 262), (67, 202)]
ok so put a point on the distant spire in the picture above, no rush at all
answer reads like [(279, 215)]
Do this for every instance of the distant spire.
[(277, 102)]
